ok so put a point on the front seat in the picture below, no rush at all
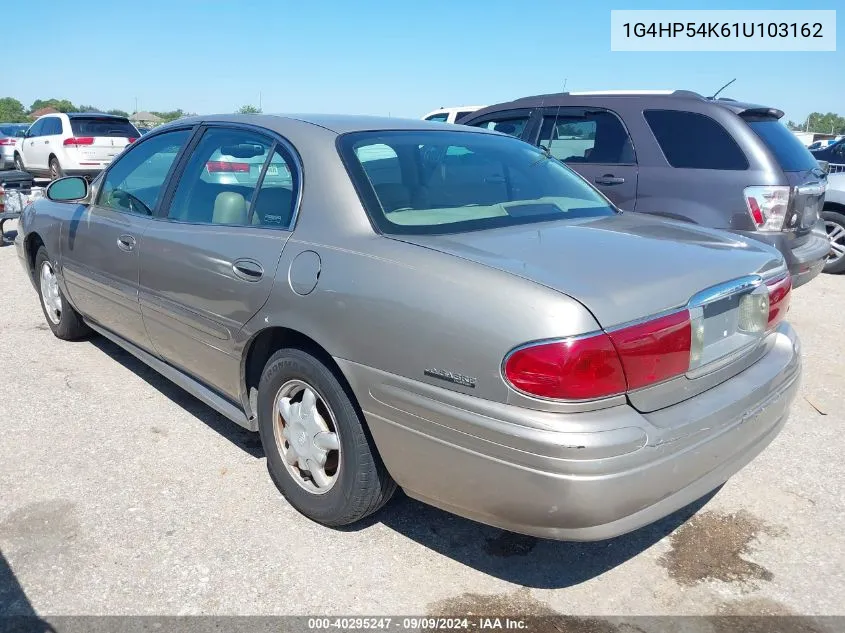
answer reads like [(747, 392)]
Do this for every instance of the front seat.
[(229, 208)]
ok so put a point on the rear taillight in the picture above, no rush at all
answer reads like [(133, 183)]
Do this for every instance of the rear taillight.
[(7, 141), (2, 202), (656, 350), (78, 140), (603, 365), (575, 369), (717, 325), (780, 291), (767, 206), (131, 139), (224, 166)]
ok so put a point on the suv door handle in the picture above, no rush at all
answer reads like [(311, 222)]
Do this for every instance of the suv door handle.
[(46, 142), (248, 269), (126, 243), (609, 179)]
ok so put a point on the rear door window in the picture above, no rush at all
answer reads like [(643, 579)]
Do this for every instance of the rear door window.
[(102, 126), (694, 141), (788, 150), (513, 125), (578, 136), (52, 127)]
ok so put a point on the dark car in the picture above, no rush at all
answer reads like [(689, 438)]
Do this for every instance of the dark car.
[(715, 162), (833, 154)]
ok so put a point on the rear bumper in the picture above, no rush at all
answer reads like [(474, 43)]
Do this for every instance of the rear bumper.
[(805, 256), (574, 476)]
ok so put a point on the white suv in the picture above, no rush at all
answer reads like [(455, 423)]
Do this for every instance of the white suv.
[(73, 144), (451, 115)]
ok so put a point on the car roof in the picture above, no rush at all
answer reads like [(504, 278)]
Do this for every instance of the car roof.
[(670, 99), (337, 123), (99, 115)]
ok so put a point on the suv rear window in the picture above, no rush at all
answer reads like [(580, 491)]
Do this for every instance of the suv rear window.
[(102, 126), (694, 141), (436, 182), (788, 150)]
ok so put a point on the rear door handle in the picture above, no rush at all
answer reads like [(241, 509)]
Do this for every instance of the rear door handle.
[(609, 179), (248, 269), (126, 243)]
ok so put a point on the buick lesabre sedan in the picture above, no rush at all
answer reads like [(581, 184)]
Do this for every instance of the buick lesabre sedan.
[(449, 310)]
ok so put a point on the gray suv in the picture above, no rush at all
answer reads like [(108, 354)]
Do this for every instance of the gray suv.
[(715, 162)]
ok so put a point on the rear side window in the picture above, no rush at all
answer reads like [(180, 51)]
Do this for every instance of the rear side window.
[(513, 125), (788, 150), (439, 118), (102, 126), (694, 141)]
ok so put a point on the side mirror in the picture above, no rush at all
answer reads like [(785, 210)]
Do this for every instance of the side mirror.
[(70, 189), (20, 134)]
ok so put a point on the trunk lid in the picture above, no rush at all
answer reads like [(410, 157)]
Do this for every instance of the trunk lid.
[(102, 138), (622, 268)]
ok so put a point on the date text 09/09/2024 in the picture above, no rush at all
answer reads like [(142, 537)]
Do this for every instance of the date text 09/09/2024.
[(417, 623), (723, 29)]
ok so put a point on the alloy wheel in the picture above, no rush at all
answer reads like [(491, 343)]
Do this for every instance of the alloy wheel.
[(306, 436), (50, 295), (836, 232)]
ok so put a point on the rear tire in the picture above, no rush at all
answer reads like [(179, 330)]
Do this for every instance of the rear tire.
[(63, 320), (352, 482), (55, 169), (834, 223), (19, 166)]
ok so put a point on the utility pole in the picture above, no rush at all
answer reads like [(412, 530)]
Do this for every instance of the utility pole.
[(136, 104), (259, 101), (564, 84)]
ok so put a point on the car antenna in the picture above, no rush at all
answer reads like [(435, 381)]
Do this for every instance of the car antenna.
[(548, 150), (716, 94)]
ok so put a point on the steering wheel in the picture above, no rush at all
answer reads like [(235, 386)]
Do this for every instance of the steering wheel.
[(133, 200)]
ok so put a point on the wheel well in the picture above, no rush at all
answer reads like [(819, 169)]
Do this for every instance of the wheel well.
[(31, 245), (834, 206), (268, 342)]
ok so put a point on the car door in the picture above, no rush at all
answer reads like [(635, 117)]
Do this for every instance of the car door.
[(32, 147), (209, 262), (596, 144), (52, 139), (100, 251)]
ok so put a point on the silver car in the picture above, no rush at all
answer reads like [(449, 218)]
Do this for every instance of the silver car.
[(445, 309), (11, 137)]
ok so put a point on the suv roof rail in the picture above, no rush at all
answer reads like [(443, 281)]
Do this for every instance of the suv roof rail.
[(678, 93)]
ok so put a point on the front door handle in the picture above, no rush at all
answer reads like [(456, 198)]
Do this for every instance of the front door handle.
[(126, 243), (248, 269), (609, 179)]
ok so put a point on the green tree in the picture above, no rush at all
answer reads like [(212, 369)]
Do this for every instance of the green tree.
[(12, 111), (118, 113), (829, 123), (170, 116), (88, 108), (62, 105), (249, 109)]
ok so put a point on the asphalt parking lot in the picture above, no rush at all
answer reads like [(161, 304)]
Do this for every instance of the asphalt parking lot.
[(122, 494)]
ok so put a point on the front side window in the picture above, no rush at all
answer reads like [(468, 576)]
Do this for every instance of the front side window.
[(513, 126), (235, 177), (435, 182), (36, 128), (135, 181), (587, 137), (694, 141)]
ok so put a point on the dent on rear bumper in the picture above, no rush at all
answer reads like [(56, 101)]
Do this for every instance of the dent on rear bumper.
[(573, 476)]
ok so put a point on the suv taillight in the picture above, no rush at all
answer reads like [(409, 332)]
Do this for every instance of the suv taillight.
[(602, 365), (78, 140), (768, 206)]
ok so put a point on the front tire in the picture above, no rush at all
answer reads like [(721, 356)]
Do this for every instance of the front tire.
[(55, 169), (834, 223), (63, 320), (319, 453)]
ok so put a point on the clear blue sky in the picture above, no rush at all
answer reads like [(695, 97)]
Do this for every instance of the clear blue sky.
[(398, 57)]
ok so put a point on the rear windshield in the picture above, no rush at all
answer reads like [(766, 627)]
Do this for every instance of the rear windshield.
[(100, 126), (435, 182), (789, 151), (11, 130)]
